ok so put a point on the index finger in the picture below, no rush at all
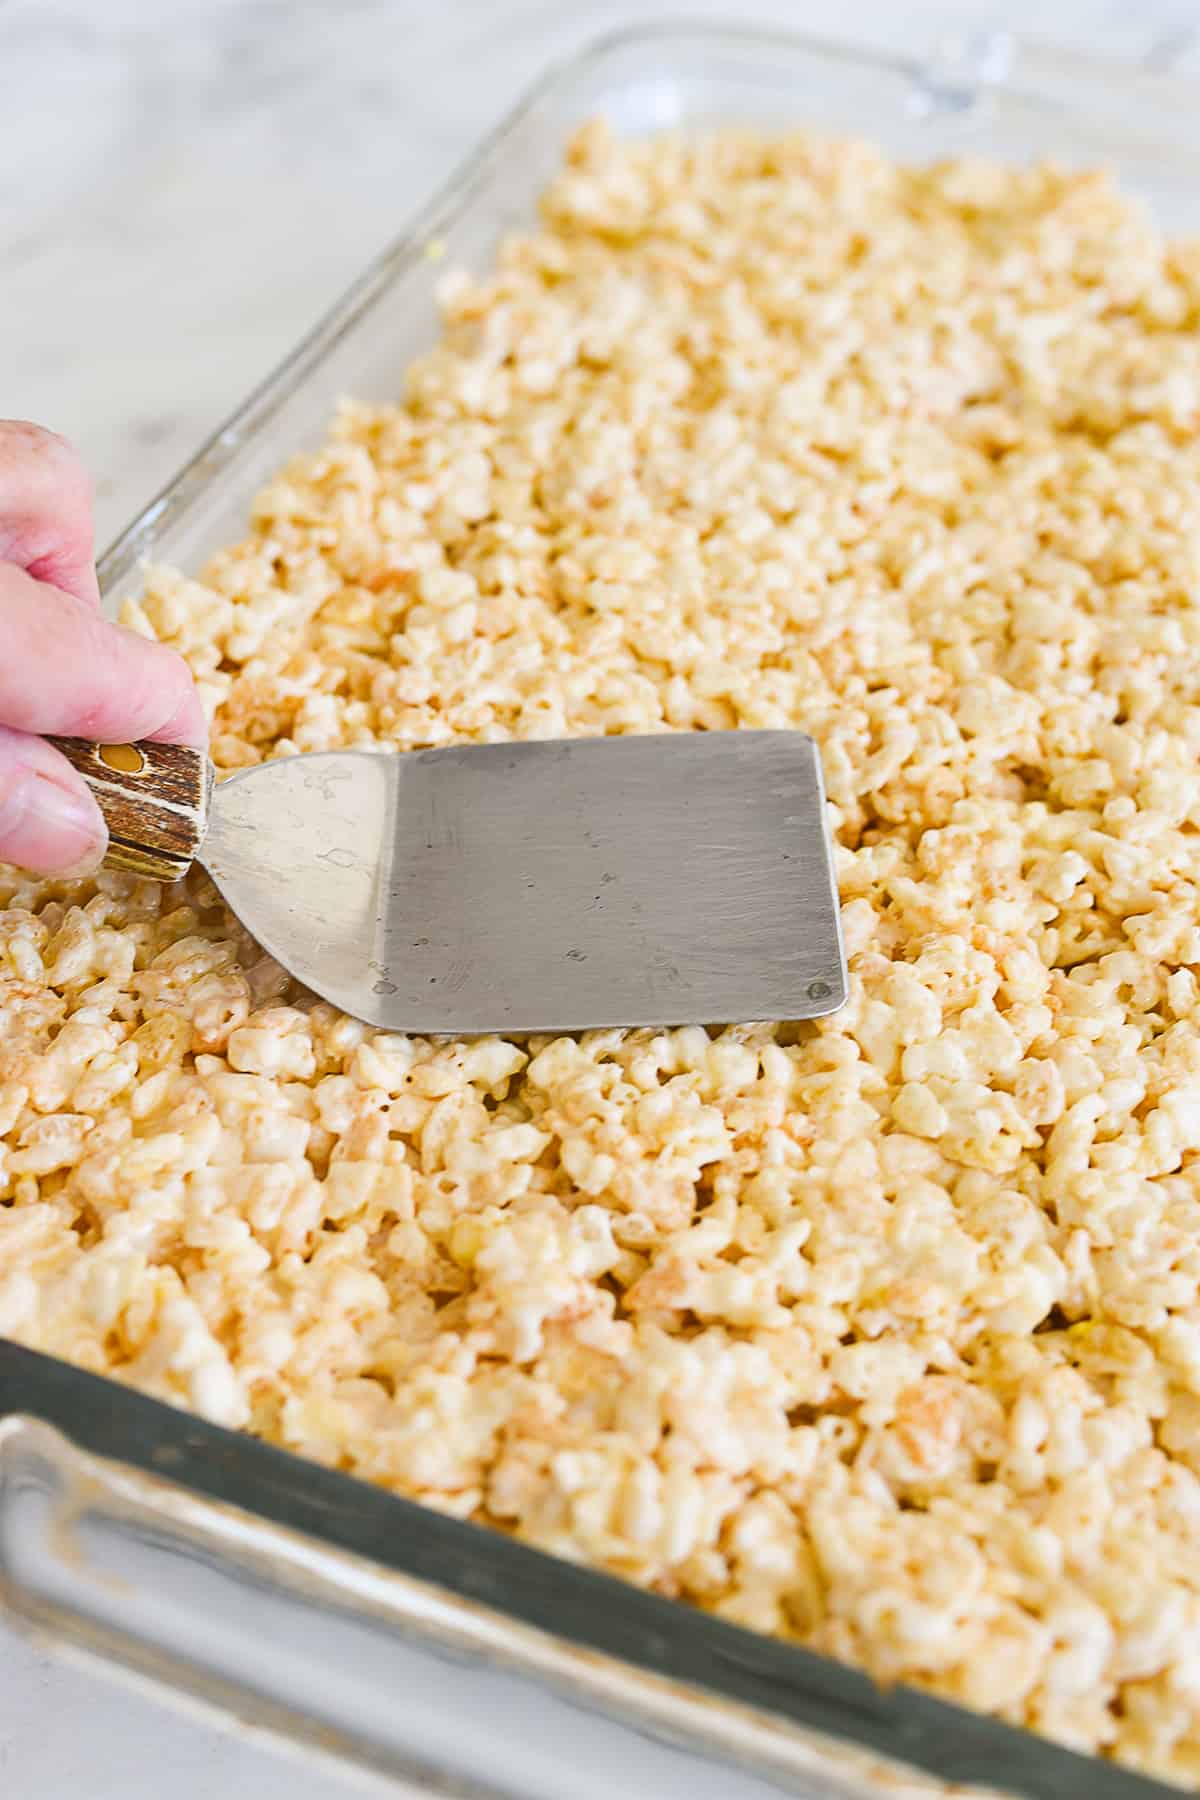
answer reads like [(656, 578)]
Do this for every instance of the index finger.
[(46, 509), (65, 668)]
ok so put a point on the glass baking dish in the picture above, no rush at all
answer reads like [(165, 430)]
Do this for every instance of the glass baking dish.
[(439, 1656)]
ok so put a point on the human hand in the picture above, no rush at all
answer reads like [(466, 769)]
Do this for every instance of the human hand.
[(63, 666)]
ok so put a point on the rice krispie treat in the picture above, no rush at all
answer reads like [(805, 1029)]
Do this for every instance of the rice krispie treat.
[(880, 1332)]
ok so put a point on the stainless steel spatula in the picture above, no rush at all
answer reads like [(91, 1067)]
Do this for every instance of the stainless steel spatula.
[(681, 878)]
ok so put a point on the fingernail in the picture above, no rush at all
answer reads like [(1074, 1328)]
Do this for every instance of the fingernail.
[(187, 724), (51, 829)]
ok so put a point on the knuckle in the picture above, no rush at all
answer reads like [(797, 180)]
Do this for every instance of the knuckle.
[(33, 451)]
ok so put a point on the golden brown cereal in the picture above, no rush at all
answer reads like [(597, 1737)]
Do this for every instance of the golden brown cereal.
[(880, 1333)]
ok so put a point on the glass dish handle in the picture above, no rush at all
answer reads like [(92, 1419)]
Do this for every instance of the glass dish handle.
[(434, 1695)]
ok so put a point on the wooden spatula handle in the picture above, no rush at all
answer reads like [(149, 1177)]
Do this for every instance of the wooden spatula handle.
[(154, 798)]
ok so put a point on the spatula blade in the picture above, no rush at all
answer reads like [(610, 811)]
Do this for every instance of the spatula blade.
[(679, 878)]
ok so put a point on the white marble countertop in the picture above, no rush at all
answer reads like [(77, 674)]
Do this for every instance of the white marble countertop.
[(161, 169)]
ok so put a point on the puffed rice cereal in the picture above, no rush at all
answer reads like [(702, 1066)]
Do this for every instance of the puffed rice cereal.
[(880, 1333)]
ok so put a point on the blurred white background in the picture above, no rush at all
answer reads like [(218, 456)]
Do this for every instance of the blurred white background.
[(183, 188)]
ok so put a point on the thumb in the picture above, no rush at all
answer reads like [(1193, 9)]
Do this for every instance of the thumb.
[(49, 821)]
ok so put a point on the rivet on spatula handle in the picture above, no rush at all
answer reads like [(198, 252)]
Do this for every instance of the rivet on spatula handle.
[(154, 798)]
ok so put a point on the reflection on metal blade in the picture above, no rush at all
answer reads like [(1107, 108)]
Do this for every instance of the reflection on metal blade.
[(670, 879)]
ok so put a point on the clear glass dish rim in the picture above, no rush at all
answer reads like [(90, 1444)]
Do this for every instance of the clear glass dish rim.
[(585, 1611), (121, 558)]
